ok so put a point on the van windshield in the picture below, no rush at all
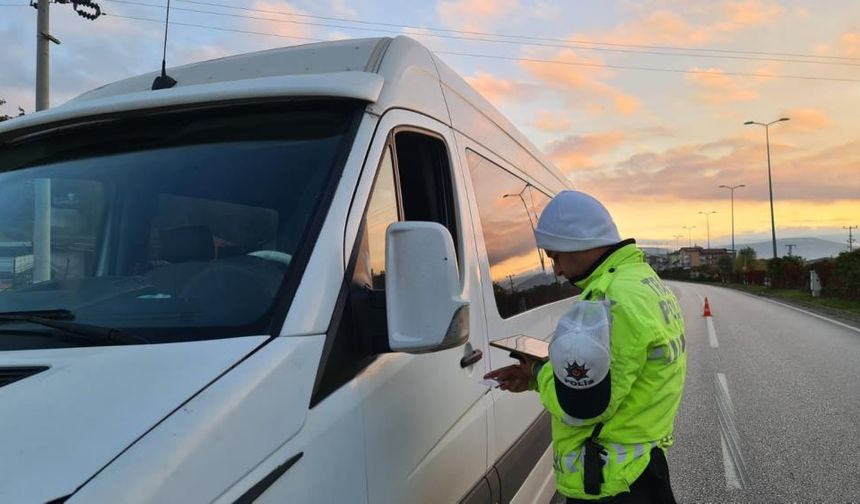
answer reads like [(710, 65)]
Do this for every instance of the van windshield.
[(173, 226)]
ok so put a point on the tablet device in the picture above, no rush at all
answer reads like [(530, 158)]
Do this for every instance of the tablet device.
[(524, 345)]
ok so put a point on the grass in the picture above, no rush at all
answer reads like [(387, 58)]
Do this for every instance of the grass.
[(846, 307)]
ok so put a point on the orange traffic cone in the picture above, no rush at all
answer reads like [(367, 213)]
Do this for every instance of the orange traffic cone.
[(707, 309)]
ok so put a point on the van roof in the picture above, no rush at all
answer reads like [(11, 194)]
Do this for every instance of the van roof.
[(386, 72)]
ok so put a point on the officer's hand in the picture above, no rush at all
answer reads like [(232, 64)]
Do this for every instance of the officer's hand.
[(513, 378)]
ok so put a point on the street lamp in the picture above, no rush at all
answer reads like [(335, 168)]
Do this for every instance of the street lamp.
[(677, 237), (732, 189), (769, 182), (690, 234), (708, 223), (531, 223)]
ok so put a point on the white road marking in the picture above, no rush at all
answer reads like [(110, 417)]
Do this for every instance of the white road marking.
[(733, 460), (846, 326), (725, 384), (732, 480), (712, 333)]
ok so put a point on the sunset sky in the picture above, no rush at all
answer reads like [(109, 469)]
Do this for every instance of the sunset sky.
[(646, 111)]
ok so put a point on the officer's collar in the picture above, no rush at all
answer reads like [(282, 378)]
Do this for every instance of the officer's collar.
[(600, 265)]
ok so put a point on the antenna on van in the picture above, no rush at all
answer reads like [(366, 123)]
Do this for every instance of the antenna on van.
[(164, 81)]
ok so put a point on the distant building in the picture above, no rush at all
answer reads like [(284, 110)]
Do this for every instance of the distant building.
[(690, 257), (674, 259), (16, 260), (712, 256), (657, 261)]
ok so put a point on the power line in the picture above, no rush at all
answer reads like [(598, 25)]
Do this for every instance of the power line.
[(530, 60), (218, 28), (524, 37), (470, 38), (648, 69)]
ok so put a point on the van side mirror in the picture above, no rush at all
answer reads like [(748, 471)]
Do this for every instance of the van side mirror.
[(425, 309)]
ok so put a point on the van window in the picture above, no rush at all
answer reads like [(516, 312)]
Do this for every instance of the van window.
[(509, 207), (172, 225), (75, 219), (381, 212), (236, 229), (413, 182), (424, 174)]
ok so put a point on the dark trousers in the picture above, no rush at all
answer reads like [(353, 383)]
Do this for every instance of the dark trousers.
[(652, 487)]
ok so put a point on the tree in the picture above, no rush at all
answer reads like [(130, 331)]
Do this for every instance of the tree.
[(746, 259), (787, 272), (847, 269), (724, 263), (4, 117)]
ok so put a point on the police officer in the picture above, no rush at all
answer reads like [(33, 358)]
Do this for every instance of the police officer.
[(617, 362)]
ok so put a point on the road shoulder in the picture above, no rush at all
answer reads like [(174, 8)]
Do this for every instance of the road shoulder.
[(845, 316)]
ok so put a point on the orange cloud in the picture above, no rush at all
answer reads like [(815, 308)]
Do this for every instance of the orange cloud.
[(574, 152), (849, 44), (550, 122), (473, 14), (669, 27), (805, 119), (626, 104), (581, 84), (692, 172), (282, 29), (717, 88), (746, 13), (497, 90)]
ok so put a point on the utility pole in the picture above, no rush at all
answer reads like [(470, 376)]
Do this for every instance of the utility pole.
[(790, 247), (850, 237), (87, 9), (42, 187)]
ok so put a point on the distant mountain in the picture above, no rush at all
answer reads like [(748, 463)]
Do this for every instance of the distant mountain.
[(533, 279), (807, 248)]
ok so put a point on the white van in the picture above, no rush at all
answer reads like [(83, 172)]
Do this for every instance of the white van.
[(273, 282)]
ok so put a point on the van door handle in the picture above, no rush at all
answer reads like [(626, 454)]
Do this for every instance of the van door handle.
[(472, 358)]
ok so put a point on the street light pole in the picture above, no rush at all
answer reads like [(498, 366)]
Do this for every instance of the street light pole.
[(689, 234), (677, 243), (769, 180), (732, 189), (529, 215), (708, 223)]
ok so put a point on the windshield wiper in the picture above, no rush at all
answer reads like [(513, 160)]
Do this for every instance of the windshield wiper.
[(60, 319)]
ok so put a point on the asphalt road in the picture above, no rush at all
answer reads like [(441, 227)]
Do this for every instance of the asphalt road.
[(771, 409)]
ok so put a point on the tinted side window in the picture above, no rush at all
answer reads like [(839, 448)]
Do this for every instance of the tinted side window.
[(509, 208), (381, 211), (360, 316), (413, 182)]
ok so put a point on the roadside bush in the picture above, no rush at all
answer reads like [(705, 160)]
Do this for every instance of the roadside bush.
[(847, 270), (787, 273), (830, 284)]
